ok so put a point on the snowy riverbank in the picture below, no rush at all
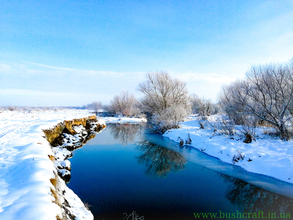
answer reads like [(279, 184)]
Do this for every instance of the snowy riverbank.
[(28, 178), (29, 181), (267, 155)]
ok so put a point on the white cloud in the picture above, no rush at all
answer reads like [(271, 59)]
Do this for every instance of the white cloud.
[(78, 71), (39, 84), (4, 67)]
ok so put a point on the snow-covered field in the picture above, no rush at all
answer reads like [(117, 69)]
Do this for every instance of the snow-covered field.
[(267, 155), (26, 170)]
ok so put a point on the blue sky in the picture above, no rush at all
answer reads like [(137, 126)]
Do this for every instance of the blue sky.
[(60, 53)]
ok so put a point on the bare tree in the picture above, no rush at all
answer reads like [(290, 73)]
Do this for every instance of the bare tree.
[(266, 93), (97, 106), (94, 106), (202, 106), (166, 99), (125, 104)]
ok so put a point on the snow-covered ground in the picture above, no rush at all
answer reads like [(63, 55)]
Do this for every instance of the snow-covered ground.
[(267, 155), (26, 170)]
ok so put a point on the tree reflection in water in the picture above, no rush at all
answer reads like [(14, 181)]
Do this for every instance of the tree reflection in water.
[(252, 199), (159, 160), (124, 133)]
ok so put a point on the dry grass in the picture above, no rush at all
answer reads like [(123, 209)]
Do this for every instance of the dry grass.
[(52, 158), (74, 122), (54, 191), (263, 123), (56, 200), (54, 135), (100, 127), (77, 122), (54, 181), (55, 138), (57, 195)]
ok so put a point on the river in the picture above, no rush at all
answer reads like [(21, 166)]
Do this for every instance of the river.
[(125, 170)]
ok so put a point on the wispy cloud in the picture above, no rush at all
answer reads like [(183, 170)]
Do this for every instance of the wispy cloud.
[(77, 71), (4, 67), (38, 68), (49, 84)]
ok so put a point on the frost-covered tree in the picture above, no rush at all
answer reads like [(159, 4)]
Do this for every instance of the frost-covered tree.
[(125, 104), (202, 106), (94, 106), (265, 93), (165, 99)]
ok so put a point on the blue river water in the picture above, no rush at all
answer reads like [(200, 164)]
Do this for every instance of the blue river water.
[(124, 169)]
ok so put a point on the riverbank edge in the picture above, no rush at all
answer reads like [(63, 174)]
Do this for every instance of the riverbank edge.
[(64, 138), (224, 148)]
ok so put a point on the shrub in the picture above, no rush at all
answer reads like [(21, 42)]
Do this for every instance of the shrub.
[(165, 99), (266, 93), (202, 106), (125, 104)]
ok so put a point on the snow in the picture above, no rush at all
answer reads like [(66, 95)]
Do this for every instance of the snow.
[(267, 155), (66, 164), (79, 129), (61, 154), (26, 170)]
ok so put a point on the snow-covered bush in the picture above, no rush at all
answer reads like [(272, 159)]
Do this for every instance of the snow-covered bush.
[(165, 99), (125, 104), (202, 106), (168, 119), (249, 123), (238, 157), (93, 106), (266, 93), (222, 126)]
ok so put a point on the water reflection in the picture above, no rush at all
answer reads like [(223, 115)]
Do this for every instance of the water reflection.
[(159, 160), (124, 186), (249, 198), (252, 199), (124, 133)]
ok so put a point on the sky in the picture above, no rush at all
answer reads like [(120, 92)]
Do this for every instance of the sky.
[(71, 53)]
